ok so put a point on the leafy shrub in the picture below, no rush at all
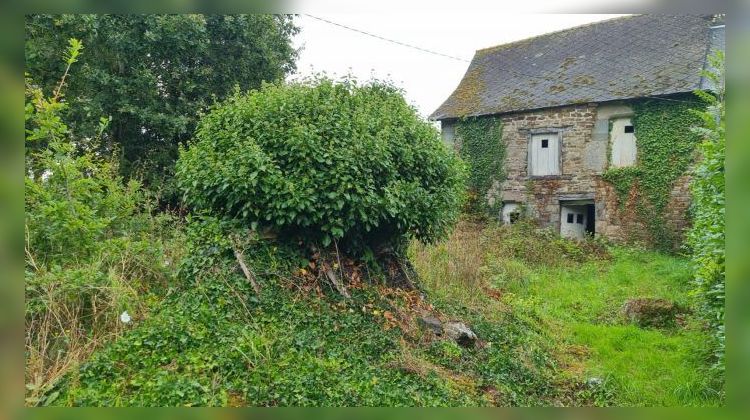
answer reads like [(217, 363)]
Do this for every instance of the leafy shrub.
[(93, 249), (536, 247), (706, 237), (324, 160)]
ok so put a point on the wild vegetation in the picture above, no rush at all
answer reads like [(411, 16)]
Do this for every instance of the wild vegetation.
[(301, 343), (706, 237), (94, 246), (481, 145), (267, 286), (575, 293), (663, 134), (154, 75), (551, 330)]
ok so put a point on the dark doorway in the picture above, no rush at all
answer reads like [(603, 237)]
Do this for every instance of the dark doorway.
[(590, 219)]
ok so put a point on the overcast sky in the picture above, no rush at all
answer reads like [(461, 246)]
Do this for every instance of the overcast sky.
[(426, 78)]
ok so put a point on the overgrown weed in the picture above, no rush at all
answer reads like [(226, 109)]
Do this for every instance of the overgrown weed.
[(570, 294)]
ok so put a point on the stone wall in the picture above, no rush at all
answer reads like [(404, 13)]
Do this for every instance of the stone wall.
[(577, 179), (584, 132), (677, 211)]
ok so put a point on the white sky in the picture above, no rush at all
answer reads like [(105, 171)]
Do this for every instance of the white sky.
[(427, 79)]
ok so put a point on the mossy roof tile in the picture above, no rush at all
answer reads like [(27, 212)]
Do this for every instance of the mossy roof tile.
[(622, 58)]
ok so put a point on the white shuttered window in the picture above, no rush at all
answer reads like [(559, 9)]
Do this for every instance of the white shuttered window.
[(545, 154), (624, 148)]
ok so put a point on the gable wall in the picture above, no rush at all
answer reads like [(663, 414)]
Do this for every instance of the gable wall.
[(584, 131), (580, 160)]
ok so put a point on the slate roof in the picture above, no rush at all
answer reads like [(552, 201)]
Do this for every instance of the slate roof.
[(627, 57)]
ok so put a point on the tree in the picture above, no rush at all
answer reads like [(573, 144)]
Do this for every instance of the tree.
[(324, 160), (154, 74)]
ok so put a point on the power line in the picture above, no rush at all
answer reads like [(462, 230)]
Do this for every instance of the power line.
[(393, 41)]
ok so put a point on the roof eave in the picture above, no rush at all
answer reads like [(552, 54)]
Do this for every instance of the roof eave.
[(435, 117)]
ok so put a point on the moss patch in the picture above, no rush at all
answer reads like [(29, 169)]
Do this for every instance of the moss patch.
[(467, 97)]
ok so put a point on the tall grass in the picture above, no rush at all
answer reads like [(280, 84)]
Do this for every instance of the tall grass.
[(480, 258), (74, 307), (576, 291), (454, 268)]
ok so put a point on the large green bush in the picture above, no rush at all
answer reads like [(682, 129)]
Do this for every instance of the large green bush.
[(324, 160)]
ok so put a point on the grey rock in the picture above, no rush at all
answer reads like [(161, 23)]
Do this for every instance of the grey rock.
[(594, 382), (460, 333), (431, 323)]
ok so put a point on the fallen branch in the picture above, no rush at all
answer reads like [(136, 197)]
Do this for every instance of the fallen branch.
[(248, 273), (339, 286), (396, 270), (338, 258), (407, 278)]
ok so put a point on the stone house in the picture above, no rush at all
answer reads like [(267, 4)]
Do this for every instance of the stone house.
[(566, 102)]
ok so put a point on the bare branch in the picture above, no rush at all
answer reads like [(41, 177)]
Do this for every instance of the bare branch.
[(248, 273), (337, 283)]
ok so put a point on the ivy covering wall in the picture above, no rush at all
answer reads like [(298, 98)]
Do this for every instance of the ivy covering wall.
[(666, 145), (481, 146)]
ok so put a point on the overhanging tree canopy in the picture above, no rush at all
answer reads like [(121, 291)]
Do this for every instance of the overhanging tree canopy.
[(153, 74)]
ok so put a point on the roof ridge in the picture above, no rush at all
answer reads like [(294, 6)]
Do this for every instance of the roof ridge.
[(572, 28)]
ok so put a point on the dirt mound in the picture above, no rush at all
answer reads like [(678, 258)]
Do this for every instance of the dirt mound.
[(652, 312)]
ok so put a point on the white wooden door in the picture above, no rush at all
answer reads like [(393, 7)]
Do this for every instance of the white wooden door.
[(573, 222), (545, 155)]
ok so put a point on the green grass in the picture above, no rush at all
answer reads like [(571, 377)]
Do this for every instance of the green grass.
[(596, 289), (545, 309), (651, 367), (646, 367), (575, 292)]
